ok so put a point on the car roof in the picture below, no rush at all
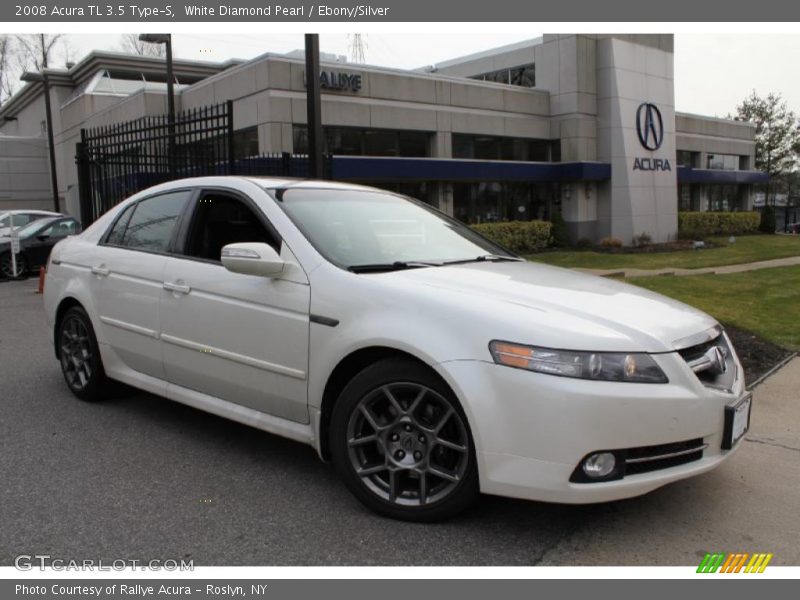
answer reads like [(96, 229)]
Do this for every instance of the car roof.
[(24, 211), (297, 183), (54, 219)]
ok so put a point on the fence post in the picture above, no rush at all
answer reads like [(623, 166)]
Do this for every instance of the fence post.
[(231, 158), (286, 164), (84, 182)]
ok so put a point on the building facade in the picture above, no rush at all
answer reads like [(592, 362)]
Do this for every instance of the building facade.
[(580, 124)]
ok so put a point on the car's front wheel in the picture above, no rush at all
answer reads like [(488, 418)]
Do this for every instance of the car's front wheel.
[(401, 442), (79, 355)]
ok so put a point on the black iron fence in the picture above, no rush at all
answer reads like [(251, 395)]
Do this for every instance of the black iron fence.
[(116, 161)]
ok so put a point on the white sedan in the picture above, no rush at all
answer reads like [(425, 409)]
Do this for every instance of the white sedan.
[(426, 362)]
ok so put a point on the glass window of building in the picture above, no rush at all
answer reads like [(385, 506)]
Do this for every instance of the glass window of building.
[(687, 158), (245, 142), (723, 198), (487, 147), (522, 76), (723, 162), (493, 201), (353, 141)]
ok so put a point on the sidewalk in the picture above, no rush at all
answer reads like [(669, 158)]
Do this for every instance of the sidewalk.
[(721, 270)]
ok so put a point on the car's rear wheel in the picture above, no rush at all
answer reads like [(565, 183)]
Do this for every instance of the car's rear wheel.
[(6, 266), (79, 355), (401, 442)]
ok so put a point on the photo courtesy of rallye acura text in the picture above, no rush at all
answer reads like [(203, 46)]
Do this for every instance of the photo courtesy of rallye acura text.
[(427, 363)]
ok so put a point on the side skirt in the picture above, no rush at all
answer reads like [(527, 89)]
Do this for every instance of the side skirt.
[(116, 369)]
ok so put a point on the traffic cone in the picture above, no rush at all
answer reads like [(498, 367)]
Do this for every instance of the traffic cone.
[(42, 273)]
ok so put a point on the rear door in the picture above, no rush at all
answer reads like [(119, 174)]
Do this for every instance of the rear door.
[(241, 338), (127, 278)]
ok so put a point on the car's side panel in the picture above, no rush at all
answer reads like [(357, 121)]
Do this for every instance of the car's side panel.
[(126, 286), (240, 338)]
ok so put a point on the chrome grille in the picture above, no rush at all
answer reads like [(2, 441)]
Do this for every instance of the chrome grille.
[(712, 361)]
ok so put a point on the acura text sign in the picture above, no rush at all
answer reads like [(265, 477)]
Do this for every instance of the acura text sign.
[(650, 131)]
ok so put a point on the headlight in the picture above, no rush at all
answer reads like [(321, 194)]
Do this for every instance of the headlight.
[(601, 366)]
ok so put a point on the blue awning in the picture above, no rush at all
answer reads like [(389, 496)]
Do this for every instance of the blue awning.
[(373, 168), (691, 175)]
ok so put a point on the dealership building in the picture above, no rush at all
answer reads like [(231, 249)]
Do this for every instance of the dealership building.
[(584, 125)]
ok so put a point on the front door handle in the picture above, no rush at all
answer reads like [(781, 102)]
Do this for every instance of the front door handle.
[(101, 270), (177, 288)]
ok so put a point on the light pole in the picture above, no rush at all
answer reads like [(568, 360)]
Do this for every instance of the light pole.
[(313, 107), (166, 39), (48, 111)]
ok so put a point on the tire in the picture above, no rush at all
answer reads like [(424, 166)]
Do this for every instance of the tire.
[(403, 428), (6, 266), (79, 356)]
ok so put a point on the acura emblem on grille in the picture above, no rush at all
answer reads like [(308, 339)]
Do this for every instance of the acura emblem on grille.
[(713, 360)]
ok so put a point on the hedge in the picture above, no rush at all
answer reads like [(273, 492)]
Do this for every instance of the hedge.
[(703, 224), (518, 236)]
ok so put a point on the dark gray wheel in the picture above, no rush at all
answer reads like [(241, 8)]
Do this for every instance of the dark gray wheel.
[(79, 355), (402, 443), (6, 266)]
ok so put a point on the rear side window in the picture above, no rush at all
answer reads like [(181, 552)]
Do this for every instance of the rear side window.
[(152, 223), (118, 230)]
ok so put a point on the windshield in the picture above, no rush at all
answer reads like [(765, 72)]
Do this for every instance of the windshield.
[(5, 220), (354, 228)]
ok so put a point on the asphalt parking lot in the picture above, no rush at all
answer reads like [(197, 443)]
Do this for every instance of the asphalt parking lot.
[(139, 477)]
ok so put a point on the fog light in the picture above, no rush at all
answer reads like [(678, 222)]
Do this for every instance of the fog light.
[(599, 465)]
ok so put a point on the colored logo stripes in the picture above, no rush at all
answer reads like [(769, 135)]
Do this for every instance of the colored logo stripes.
[(734, 563)]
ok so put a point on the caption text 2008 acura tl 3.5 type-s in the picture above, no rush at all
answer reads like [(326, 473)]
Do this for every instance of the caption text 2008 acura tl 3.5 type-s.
[(427, 363)]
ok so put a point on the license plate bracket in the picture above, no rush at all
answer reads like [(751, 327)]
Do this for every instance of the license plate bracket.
[(737, 421)]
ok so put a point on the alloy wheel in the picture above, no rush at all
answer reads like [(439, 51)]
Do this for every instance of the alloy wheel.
[(408, 444), (76, 353)]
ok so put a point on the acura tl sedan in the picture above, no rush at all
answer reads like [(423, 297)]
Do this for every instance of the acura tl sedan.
[(426, 362)]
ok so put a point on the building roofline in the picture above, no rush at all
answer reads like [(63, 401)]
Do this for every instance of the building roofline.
[(102, 59), (714, 119), (531, 43), (374, 69)]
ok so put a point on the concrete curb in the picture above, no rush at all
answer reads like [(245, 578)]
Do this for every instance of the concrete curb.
[(772, 371)]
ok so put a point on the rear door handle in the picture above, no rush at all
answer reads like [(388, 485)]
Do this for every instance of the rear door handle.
[(102, 271), (177, 288)]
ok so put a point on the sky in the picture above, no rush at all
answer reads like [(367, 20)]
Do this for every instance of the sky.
[(713, 72)]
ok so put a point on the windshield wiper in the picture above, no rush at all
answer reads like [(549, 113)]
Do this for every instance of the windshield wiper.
[(397, 265), (485, 258)]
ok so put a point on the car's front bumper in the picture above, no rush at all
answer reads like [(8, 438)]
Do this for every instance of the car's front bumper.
[(532, 430)]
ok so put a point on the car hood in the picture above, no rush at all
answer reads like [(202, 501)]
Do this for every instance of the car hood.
[(603, 313)]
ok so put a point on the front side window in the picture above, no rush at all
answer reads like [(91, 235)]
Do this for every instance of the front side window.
[(353, 228), (33, 228), (221, 219), (152, 223), (61, 229)]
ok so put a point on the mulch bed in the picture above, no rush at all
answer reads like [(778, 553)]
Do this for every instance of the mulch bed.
[(757, 355)]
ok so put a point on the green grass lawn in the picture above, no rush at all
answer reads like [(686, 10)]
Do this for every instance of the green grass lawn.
[(746, 249), (765, 302)]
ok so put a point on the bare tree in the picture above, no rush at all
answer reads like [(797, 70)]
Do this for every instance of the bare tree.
[(6, 80), (130, 44), (36, 51)]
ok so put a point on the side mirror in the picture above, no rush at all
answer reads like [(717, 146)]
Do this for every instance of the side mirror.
[(43, 237), (252, 258)]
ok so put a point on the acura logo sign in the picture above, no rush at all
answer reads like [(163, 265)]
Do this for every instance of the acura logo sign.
[(649, 126)]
